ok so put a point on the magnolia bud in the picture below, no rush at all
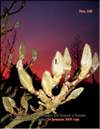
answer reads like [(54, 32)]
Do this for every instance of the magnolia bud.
[(2, 85), (24, 103), (67, 60), (56, 80), (34, 54), (16, 24), (4, 25), (11, 101), (8, 105), (47, 83), (40, 107), (57, 64), (86, 61), (95, 61), (10, 58), (24, 78), (21, 51), (75, 93)]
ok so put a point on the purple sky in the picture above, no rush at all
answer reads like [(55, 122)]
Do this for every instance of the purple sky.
[(52, 25)]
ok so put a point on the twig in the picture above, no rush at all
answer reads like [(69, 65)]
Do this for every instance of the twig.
[(12, 5), (45, 124), (2, 16), (14, 38), (73, 85), (5, 117), (30, 126), (5, 65), (25, 117)]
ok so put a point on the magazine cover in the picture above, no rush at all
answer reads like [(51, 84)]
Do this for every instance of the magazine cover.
[(49, 64)]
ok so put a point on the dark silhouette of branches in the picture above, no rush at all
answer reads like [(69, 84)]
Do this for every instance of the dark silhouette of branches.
[(76, 49), (7, 44), (6, 15), (7, 10), (76, 52), (6, 49)]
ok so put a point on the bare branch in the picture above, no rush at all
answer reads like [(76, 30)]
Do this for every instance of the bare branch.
[(12, 45), (19, 119), (23, 4)]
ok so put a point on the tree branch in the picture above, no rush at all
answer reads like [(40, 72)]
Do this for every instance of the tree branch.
[(12, 5), (22, 118), (23, 3), (13, 42)]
